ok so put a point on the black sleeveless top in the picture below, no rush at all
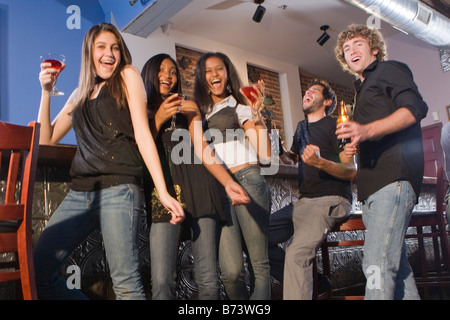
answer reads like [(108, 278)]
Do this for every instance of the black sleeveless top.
[(187, 179), (107, 153)]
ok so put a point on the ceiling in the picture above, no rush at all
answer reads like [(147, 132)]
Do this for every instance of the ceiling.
[(288, 30)]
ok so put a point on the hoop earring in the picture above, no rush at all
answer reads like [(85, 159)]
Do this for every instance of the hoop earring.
[(228, 89)]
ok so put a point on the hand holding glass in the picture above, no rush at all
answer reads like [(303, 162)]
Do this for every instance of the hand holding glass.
[(181, 98), (56, 61), (249, 90)]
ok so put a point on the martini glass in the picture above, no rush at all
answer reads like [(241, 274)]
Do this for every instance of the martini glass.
[(56, 61), (180, 97)]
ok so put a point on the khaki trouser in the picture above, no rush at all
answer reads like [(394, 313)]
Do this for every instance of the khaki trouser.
[(313, 218)]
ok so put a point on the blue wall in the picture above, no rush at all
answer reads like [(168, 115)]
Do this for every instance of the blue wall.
[(28, 29), (122, 11)]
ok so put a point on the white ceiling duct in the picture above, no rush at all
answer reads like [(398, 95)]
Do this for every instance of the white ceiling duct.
[(412, 17)]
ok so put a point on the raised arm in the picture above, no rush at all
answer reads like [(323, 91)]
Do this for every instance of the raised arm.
[(52, 132), (345, 169), (256, 129), (397, 121), (167, 109)]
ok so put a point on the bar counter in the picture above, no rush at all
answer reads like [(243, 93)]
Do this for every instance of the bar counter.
[(52, 184)]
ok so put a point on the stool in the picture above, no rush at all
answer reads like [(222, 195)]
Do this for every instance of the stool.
[(439, 274), (353, 223)]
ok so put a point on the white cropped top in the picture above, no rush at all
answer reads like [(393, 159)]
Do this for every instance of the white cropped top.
[(225, 126)]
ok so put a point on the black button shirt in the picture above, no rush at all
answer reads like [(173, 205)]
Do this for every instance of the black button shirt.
[(388, 86)]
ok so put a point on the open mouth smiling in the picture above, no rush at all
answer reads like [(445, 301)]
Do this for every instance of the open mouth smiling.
[(215, 84), (107, 62), (165, 83)]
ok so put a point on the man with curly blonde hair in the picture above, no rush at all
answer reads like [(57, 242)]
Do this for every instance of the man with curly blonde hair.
[(386, 135)]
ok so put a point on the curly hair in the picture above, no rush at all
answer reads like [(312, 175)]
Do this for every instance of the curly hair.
[(373, 37)]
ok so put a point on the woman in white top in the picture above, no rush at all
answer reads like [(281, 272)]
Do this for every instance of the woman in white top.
[(241, 142)]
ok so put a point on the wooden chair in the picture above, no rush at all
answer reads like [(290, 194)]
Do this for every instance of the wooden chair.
[(431, 225), (19, 147), (353, 223)]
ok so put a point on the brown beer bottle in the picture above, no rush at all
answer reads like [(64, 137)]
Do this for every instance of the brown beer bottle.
[(343, 118)]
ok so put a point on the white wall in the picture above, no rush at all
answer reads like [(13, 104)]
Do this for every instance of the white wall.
[(291, 96), (423, 60)]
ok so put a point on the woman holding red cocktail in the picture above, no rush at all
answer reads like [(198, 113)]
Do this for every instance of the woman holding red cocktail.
[(190, 180), (108, 112), (241, 141)]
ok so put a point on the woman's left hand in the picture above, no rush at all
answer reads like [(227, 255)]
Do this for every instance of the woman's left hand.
[(258, 103)]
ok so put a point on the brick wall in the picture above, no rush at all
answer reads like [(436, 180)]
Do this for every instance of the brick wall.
[(187, 61), (274, 111)]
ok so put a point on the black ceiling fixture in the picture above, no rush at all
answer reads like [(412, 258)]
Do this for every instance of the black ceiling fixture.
[(325, 36), (260, 10)]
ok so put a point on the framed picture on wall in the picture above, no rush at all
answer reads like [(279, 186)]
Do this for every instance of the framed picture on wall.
[(448, 112)]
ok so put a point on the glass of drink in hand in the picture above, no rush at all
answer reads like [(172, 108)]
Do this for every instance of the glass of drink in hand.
[(249, 90), (181, 98), (56, 61), (343, 118)]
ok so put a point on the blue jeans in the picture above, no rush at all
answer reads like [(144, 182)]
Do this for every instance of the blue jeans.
[(116, 210), (386, 215), (164, 251), (248, 229)]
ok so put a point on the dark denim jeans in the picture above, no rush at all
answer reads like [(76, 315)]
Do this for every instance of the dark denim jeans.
[(247, 231)]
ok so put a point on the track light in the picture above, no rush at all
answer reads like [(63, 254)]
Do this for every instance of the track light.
[(260, 10), (325, 36)]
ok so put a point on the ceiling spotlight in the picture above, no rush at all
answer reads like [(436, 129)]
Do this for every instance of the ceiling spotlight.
[(260, 10), (325, 36)]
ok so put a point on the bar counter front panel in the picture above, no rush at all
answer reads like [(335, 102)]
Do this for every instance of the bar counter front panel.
[(52, 184)]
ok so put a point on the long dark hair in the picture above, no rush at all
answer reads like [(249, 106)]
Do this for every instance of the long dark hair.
[(201, 88), (115, 84), (149, 75)]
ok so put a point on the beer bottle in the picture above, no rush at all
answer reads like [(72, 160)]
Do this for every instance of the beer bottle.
[(343, 118)]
